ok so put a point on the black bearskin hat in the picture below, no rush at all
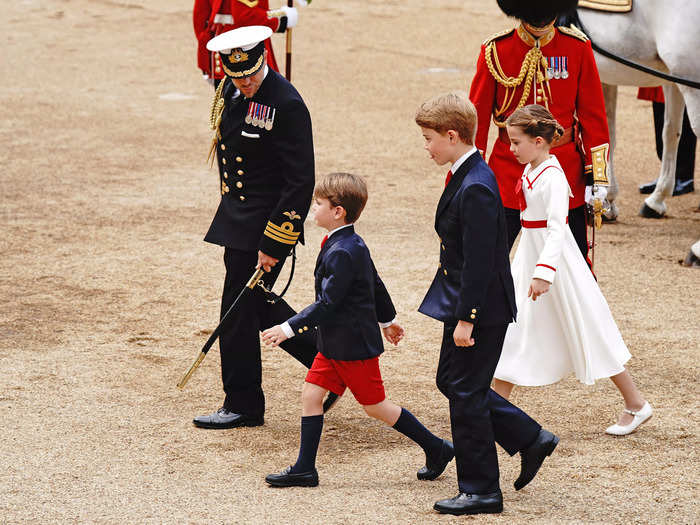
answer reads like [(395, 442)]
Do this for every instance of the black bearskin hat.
[(536, 12)]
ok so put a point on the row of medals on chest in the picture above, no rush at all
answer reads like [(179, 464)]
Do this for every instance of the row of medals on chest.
[(558, 67), (260, 116)]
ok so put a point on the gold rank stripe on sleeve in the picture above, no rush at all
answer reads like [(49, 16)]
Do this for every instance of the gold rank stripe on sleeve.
[(249, 3), (284, 233), (599, 160)]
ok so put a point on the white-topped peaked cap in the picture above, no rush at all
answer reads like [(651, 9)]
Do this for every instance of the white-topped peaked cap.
[(244, 38)]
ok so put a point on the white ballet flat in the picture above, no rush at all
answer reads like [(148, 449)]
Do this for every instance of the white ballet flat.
[(640, 416)]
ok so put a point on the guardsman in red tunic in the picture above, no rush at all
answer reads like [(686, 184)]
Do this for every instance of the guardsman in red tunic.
[(213, 17), (538, 63)]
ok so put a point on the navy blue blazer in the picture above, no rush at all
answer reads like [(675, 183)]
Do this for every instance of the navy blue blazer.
[(351, 300), (473, 282)]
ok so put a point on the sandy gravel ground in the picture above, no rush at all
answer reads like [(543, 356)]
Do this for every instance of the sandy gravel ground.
[(107, 291)]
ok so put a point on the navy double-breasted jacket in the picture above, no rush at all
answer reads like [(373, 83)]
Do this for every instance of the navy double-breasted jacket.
[(473, 281), (266, 169)]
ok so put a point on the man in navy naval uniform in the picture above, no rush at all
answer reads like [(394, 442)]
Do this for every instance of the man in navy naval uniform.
[(473, 295), (264, 147)]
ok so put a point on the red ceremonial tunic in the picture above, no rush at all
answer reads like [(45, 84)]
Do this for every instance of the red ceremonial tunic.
[(244, 13), (578, 95)]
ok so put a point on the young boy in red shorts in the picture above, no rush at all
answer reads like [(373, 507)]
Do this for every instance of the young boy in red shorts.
[(351, 305)]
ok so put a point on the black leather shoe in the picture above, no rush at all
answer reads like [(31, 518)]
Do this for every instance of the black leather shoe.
[(224, 418), (647, 188), (532, 457), (287, 479), (680, 188), (436, 466), (471, 504), (683, 186)]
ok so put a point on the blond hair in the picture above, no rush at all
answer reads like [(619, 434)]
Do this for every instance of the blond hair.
[(449, 111), (536, 121), (346, 190)]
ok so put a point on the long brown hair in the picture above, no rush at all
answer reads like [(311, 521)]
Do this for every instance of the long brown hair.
[(536, 121)]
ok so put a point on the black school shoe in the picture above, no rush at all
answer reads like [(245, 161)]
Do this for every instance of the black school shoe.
[(436, 466), (287, 479), (464, 503), (532, 457), (224, 418)]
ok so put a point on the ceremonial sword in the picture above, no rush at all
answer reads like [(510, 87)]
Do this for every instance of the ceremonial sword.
[(215, 334)]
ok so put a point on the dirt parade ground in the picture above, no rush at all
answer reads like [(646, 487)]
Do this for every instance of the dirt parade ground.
[(107, 291)]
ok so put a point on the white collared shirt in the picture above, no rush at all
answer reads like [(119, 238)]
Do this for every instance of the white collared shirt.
[(462, 160)]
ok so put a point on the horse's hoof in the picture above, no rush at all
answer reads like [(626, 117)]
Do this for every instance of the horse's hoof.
[(649, 213), (691, 261)]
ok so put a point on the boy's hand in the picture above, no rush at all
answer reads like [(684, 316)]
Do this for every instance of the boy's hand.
[(537, 288), (393, 333), (274, 335), (463, 334)]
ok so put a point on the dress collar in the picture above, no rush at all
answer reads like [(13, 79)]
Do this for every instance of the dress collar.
[(531, 41)]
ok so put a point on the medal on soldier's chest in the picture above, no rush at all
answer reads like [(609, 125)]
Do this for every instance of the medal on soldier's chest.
[(564, 69), (270, 120), (249, 115)]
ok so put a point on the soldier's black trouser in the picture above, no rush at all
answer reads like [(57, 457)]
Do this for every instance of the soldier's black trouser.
[(239, 343)]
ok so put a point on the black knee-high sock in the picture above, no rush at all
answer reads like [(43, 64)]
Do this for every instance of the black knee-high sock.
[(408, 425), (311, 427)]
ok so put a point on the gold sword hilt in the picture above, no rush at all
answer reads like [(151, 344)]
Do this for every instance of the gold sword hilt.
[(189, 373), (255, 278)]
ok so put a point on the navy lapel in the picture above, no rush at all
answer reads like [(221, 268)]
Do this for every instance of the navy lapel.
[(332, 240), (454, 185)]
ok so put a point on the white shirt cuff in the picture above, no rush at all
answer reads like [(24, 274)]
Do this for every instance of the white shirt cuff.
[(287, 330), (387, 325)]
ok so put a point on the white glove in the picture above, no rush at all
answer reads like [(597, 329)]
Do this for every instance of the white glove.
[(599, 194), (291, 14)]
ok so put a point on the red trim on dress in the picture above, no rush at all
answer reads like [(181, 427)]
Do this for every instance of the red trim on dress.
[(547, 266), (536, 224)]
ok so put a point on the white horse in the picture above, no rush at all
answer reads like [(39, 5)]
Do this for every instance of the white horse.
[(663, 35)]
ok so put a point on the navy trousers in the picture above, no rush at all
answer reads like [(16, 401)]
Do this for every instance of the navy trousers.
[(478, 415), (239, 343)]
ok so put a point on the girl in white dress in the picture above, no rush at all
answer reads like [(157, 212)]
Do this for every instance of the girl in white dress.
[(564, 324)]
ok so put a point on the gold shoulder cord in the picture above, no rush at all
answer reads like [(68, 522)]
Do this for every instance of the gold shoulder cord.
[(533, 66), (217, 109)]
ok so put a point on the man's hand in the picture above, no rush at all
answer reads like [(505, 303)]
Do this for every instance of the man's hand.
[(393, 333), (274, 335), (463, 334), (537, 288), (265, 261)]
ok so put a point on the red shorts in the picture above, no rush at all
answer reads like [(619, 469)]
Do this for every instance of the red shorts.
[(362, 378)]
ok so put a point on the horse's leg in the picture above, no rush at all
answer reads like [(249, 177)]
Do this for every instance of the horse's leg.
[(691, 97), (610, 96), (654, 206)]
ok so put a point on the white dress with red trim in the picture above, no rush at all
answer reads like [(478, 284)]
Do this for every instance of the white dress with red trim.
[(570, 328)]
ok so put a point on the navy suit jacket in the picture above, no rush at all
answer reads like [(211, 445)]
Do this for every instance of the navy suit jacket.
[(473, 282), (351, 300)]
